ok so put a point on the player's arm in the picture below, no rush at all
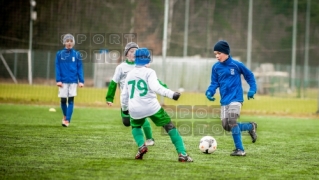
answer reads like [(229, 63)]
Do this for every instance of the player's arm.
[(80, 69), (157, 87), (124, 97), (57, 70), (249, 77), (163, 84), (110, 94), (213, 83)]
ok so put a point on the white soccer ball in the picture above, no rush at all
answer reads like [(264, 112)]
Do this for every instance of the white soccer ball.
[(207, 144)]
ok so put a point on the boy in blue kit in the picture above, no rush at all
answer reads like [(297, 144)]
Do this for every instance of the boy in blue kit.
[(69, 74), (226, 76)]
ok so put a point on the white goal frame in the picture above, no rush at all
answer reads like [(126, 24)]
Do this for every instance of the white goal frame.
[(10, 51)]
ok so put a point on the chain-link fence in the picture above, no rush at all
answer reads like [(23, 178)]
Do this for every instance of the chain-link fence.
[(192, 30)]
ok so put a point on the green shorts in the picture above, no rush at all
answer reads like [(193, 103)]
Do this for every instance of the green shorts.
[(160, 118)]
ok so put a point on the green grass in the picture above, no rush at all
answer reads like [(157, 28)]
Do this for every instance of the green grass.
[(34, 145), (95, 97)]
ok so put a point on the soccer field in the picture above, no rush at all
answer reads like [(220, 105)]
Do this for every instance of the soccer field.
[(96, 145)]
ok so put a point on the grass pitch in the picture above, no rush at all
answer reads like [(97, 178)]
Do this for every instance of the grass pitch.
[(34, 145), (95, 97)]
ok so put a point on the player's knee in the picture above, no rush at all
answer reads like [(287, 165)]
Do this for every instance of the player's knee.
[(71, 100), (63, 100), (126, 121), (225, 124), (232, 119), (169, 126)]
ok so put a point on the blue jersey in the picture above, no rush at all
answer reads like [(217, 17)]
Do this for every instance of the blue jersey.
[(227, 77), (68, 66)]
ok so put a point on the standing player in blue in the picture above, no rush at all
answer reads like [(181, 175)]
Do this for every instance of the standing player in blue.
[(138, 97), (226, 75), (69, 74)]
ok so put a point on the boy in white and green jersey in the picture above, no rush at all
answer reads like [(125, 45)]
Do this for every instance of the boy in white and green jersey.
[(119, 78), (138, 97)]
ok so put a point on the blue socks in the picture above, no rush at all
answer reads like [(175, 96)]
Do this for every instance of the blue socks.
[(63, 106), (236, 133), (245, 126), (67, 109)]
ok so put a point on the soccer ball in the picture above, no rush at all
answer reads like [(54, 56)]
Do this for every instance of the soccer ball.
[(207, 144)]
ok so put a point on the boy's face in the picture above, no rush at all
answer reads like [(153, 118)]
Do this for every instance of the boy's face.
[(221, 57), (69, 44), (131, 54)]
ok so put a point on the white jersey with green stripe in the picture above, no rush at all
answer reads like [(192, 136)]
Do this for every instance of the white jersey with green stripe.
[(139, 93), (121, 72)]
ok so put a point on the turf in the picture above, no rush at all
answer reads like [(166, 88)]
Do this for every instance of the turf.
[(95, 97), (34, 145)]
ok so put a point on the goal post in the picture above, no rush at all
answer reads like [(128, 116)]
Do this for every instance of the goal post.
[(11, 51)]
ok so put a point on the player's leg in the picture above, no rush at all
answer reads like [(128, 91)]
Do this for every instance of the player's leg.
[(233, 115), (244, 126), (251, 127), (64, 108), (72, 92), (138, 136), (69, 111), (148, 133), (161, 118), (229, 115), (252, 131), (63, 94)]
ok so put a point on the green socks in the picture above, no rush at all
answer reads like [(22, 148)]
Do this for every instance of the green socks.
[(177, 141), (138, 136), (147, 129)]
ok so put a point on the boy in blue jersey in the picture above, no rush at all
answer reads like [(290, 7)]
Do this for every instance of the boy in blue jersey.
[(226, 75), (69, 74)]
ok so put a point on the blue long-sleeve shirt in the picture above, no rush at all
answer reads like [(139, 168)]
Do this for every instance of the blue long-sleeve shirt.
[(68, 66), (226, 77)]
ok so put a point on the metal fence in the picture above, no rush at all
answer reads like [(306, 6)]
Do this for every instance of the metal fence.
[(277, 39), (190, 74)]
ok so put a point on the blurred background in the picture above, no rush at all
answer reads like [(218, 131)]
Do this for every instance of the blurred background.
[(277, 40)]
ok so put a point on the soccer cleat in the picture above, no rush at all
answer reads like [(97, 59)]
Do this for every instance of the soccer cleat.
[(238, 152), (149, 142), (141, 151), (65, 123), (252, 132), (184, 158)]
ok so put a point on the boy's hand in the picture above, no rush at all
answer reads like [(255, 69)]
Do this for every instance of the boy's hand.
[(109, 103), (210, 96), (59, 84), (176, 95), (81, 85), (250, 94)]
